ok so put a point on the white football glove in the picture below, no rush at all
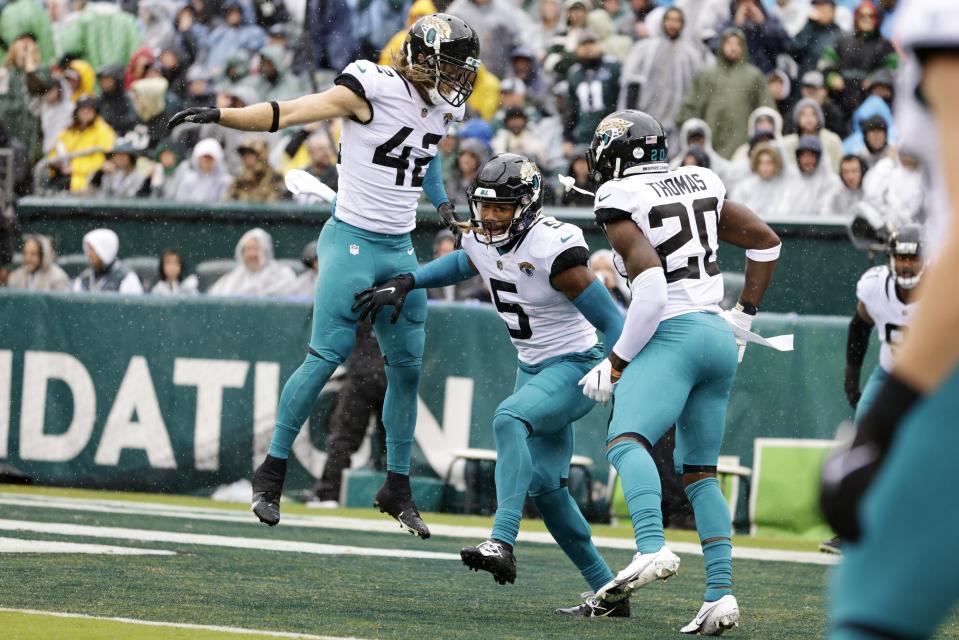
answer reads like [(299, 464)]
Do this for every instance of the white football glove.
[(742, 320), (599, 382)]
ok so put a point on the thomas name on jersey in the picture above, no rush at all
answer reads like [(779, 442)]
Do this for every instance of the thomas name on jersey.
[(678, 186)]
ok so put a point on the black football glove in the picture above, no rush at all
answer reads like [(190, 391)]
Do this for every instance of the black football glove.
[(849, 472), (392, 292), (851, 386), (196, 115), (450, 220)]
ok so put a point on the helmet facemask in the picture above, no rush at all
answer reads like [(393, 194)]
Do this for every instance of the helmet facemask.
[(908, 274), (451, 63), (521, 202)]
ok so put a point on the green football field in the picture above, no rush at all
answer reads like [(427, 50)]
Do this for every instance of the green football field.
[(214, 572)]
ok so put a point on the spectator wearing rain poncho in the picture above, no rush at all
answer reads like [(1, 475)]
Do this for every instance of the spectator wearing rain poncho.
[(696, 132), (274, 82), (235, 33), (764, 189), (872, 129), (155, 22), (809, 120), (39, 271), (207, 179), (894, 187), (762, 118), (257, 274), (87, 133), (815, 182), (106, 272), (660, 70)]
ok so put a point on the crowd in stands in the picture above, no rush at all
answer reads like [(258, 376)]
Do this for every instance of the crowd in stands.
[(789, 101)]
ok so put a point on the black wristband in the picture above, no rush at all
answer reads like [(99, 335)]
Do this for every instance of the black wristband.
[(747, 307), (276, 116), (893, 401)]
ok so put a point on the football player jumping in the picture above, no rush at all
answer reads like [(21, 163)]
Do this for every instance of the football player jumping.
[(536, 269), (676, 358), (394, 118), (891, 493)]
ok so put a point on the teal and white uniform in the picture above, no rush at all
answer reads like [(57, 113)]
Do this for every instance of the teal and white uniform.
[(902, 578), (876, 290), (685, 373), (557, 346), (384, 164)]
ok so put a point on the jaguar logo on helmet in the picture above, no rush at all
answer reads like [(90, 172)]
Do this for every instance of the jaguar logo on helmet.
[(435, 30), (530, 173), (612, 128)]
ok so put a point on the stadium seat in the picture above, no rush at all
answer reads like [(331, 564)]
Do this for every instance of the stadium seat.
[(210, 271), (146, 267), (73, 263)]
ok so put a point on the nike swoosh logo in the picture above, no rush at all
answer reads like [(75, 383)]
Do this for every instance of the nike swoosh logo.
[(566, 238), (362, 70), (601, 198), (387, 290), (409, 251)]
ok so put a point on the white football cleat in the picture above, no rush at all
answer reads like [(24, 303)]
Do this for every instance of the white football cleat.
[(645, 568), (714, 617)]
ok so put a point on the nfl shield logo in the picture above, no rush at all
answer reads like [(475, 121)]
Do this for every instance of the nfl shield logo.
[(354, 249)]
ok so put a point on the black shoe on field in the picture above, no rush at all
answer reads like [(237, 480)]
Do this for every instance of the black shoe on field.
[(593, 608), (267, 487), (492, 556), (396, 500), (833, 546)]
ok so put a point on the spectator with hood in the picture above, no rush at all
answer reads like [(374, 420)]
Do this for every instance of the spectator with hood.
[(39, 271), (152, 107), (841, 202), (660, 70), (199, 88), (106, 272), (274, 81), (813, 86), (101, 33), (872, 129), (191, 36), (141, 60), (765, 189), (115, 105), (256, 274), (761, 119), (765, 36), (809, 121), (854, 56), (894, 185), (779, 83), (236, 71), (56, 111), (88, 131), (168, 170), (235, 33), (207, 179), (819, 33), (258, 182), (696, 132), (155, 22), (815, 182), (721, 95)]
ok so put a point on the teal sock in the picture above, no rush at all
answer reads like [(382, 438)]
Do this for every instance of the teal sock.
[(514, 470), (296, 401), (643, 492), (712, 522), (399, 416), (569, 528)]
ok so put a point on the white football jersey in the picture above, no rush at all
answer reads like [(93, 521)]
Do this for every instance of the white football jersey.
[(542, 322), (382, 163), (877, 292), (678, 212), (925, 23)]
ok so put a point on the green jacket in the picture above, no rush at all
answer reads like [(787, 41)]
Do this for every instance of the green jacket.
[(724, 96), (20, 108), (27, 16), (593, 92), (101, 35)]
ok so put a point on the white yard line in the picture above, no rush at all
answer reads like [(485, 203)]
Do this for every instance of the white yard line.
[(21, 545), (260, 544), (178, 625), (384, 525)]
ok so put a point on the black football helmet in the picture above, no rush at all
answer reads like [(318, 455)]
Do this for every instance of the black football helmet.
[(449, 49), (906, 241), (625, 140), (506, 178)]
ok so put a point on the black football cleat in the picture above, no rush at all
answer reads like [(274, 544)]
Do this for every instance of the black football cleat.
[(396, 500), (492, 556), (267, 487), (832, 546), (593, 608)]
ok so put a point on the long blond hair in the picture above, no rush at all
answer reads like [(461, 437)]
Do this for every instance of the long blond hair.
[(418, 75)]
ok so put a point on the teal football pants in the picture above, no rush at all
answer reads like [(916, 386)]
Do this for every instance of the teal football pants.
[(902, 578), (533, 429), (352, 259)]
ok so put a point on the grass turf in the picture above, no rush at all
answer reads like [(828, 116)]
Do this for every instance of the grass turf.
[(361, 596)]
